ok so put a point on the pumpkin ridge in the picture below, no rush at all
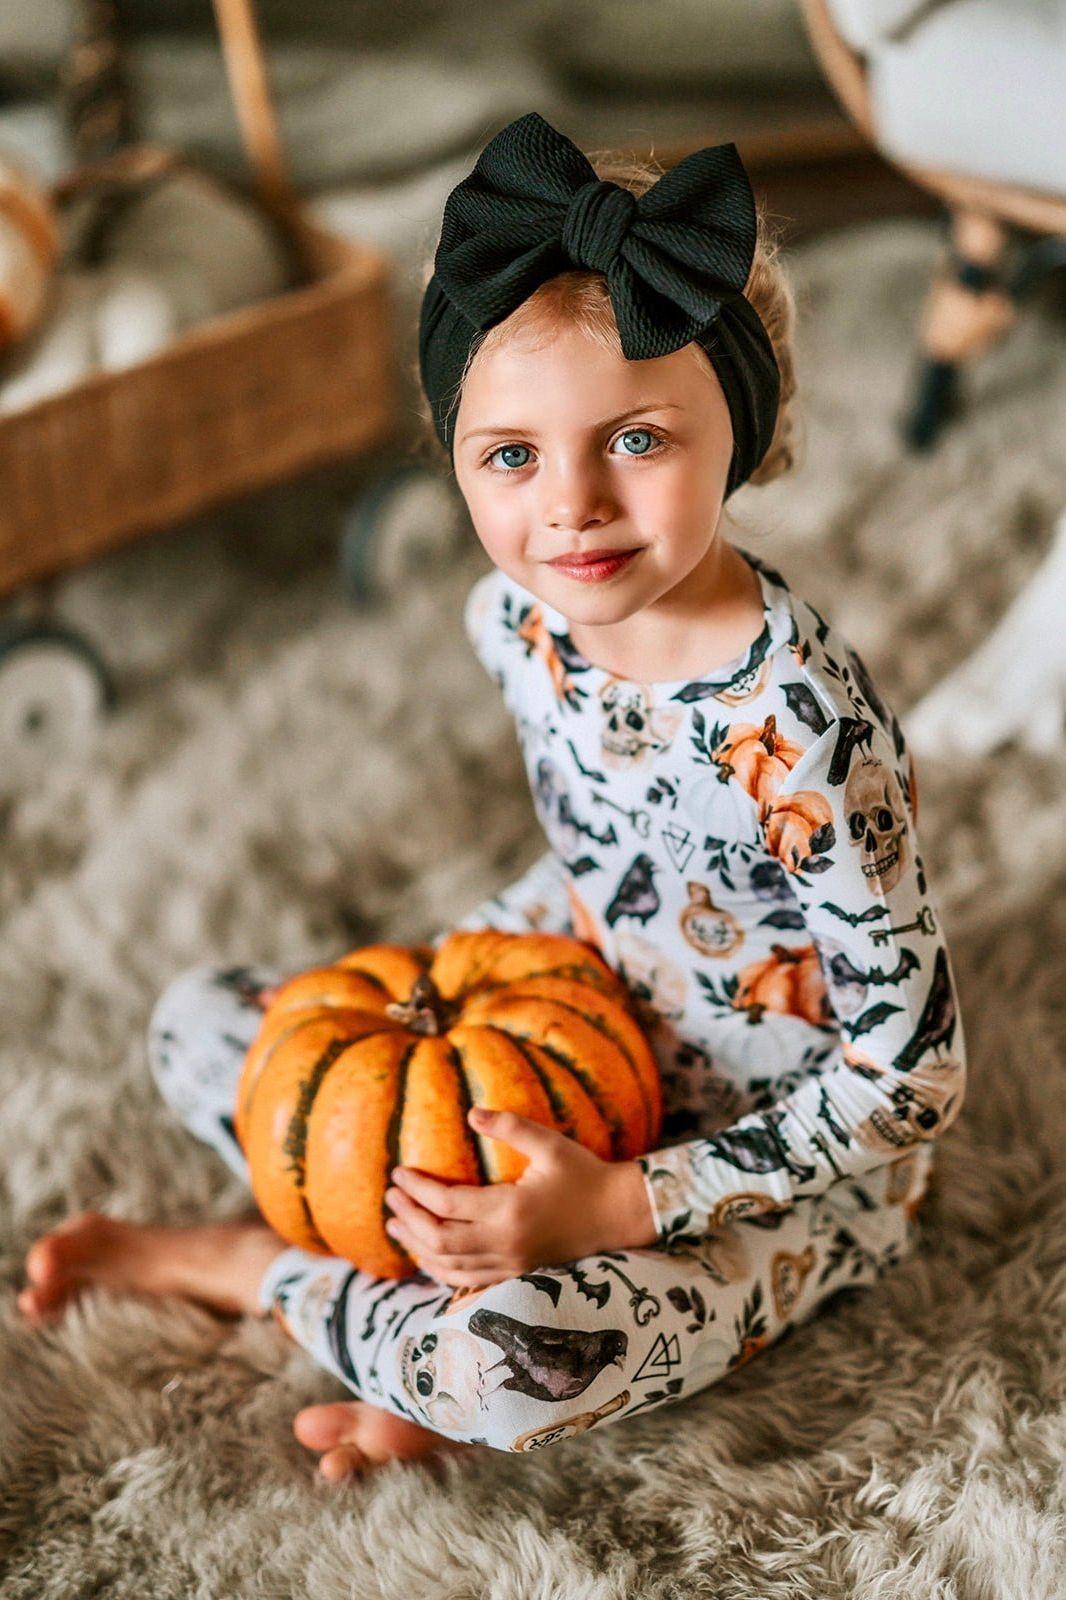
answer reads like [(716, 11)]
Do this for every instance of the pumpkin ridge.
[(392, 1132), (467, 1101), (294, 1144), (559, 1110), (370, 977), (302, 1017), (471, 974), (575, 971), (598, 1024), (246, 1091), (587, 1081)]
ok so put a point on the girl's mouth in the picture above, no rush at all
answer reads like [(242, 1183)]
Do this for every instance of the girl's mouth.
[(595, 571)]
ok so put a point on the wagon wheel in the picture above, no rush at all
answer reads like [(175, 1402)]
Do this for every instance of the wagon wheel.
[(54, 685), (406, 520)]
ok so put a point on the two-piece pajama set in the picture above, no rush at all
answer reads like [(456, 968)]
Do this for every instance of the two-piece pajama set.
[(741, 848)]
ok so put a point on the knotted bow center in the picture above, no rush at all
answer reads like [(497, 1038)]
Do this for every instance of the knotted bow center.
[(597, 220)]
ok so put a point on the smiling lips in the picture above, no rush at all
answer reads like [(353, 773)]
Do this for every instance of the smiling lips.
[(593, 565), (580, 558)]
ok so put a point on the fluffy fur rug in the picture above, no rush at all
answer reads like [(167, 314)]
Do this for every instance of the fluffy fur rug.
[(287, 777)]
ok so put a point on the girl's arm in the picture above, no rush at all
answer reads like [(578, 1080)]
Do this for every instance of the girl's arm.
[(874, 966), (537, 900)]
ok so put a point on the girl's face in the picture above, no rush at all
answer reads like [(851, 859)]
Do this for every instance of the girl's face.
[(569, 447)]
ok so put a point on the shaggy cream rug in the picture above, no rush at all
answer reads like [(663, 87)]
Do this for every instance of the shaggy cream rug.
[(285, 778)]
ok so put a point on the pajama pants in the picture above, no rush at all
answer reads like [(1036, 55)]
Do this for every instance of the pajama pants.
[(533, 1359)]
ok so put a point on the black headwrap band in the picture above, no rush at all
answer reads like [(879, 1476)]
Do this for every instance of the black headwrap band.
[(676, 260)]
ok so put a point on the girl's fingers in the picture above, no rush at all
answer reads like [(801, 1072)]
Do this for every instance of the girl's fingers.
[(444, 1268), (460, 1202), (421, 1224)]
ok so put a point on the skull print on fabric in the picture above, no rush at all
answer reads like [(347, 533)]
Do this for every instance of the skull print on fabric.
[(741, 848), (536, 1359)]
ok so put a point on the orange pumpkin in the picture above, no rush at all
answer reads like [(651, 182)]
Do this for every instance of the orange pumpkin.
[(789, 980), (792, 823), (758, 757), (374, 1062)]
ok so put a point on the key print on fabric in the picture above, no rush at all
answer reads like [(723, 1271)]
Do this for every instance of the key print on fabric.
[(742, 849)]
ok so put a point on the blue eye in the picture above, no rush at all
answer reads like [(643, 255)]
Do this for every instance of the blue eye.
[(506, 450), (639, 433), (650, 443)]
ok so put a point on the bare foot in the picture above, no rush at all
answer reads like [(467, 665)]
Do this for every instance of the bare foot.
[(354, 1436), (219, 1264)]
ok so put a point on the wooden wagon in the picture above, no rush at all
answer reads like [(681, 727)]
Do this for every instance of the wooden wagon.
[(239, 402)]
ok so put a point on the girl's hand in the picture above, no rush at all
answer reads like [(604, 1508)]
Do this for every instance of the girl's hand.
[(568, 1203)]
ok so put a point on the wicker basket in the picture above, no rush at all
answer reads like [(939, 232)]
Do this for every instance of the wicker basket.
[(241, 401)]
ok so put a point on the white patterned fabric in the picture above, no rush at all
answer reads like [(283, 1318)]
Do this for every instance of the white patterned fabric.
[(741, 848), (531, 1360)]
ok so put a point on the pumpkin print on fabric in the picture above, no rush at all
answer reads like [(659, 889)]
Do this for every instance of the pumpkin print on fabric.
[(800, 826), (741, 848), (759, 757), (789, 980), (375, 1061)]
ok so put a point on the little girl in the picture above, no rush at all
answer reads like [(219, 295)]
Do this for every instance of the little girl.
[(731, 814)]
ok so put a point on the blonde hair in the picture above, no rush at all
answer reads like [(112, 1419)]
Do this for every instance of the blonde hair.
[(579, 297)]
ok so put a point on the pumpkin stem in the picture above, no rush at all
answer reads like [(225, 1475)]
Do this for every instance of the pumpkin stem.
[(423, 1011), (769, 734)]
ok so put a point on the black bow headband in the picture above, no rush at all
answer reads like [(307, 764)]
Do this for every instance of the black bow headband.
[(676, 260)]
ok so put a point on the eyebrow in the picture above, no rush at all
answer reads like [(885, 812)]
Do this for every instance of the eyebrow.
[(608, 422)]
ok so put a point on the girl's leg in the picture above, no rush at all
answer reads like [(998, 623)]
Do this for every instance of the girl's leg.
[(531, 1360), (198, 1033)]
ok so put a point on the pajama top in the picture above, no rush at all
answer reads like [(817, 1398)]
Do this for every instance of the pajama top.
[(741, 848)]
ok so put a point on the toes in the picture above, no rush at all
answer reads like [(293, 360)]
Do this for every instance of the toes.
[(342, 1463), (325, 1426), (43, 1304), (45, 1261), (60, 1252)]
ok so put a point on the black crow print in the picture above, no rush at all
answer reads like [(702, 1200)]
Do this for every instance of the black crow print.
[(549, 1363), (759, 1148), (636, 895), (811, 866), (830, 1008), (853, 733), (938, 1019)]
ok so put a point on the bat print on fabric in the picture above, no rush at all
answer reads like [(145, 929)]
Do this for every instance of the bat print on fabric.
[(525, 1362), (809, 920), (742, 849)]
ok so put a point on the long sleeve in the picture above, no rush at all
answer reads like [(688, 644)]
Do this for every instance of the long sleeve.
[(868, 956), (536, 900)]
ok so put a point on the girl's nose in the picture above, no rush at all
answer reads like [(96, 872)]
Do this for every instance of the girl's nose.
[(575, 499)]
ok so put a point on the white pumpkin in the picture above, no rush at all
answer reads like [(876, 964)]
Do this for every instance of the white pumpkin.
[(187, 250)]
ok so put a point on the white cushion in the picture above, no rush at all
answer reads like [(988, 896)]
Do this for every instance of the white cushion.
[(978, 88), (864, 23)]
